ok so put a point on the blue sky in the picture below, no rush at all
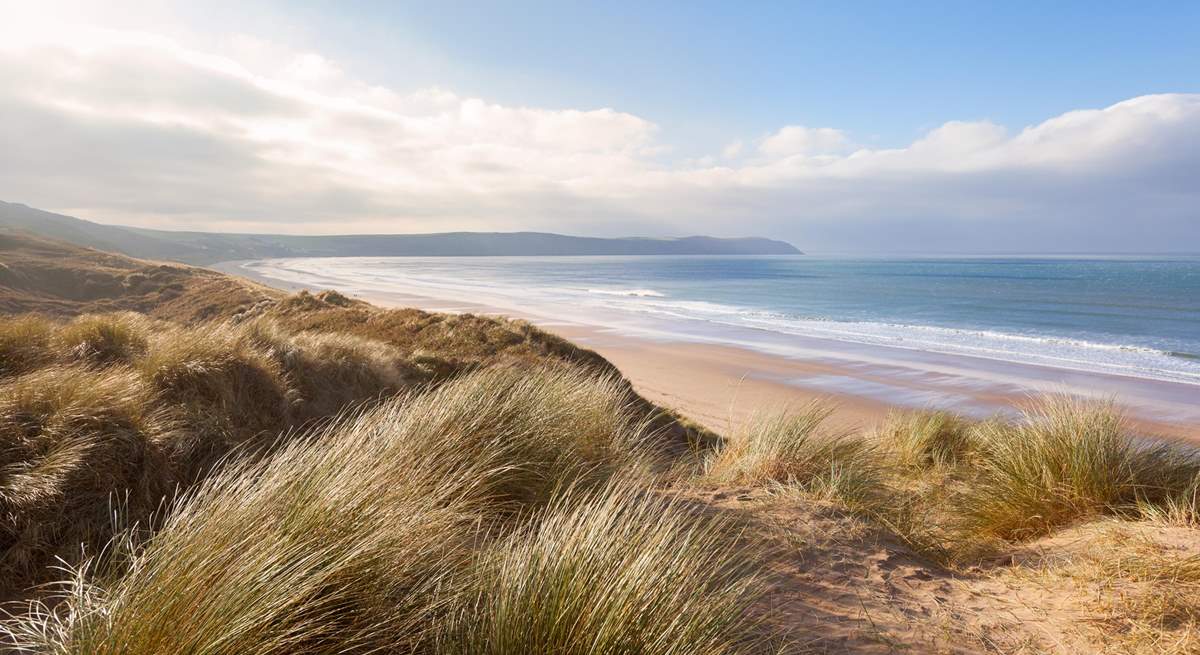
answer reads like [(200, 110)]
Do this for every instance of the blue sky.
[(942, 126), (719, 70)]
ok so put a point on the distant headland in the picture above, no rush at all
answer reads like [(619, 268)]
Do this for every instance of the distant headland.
[(210, 247)]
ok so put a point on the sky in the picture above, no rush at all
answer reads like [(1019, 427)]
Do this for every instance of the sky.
[(868, 127)]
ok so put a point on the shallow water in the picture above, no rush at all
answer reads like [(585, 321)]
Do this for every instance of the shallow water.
[(1130, 316)]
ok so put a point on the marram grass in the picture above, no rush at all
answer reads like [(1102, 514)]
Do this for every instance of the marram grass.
[(791, 449), (608, 572), (381, 532), (1067, 460)]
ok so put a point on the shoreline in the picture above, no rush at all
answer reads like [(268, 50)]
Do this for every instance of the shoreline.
[(721, 384)]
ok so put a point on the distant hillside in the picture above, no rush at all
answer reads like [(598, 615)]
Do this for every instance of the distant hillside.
[(207, 248), (55, 278)]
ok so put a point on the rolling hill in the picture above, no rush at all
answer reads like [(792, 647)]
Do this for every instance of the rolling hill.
[(202, 248)]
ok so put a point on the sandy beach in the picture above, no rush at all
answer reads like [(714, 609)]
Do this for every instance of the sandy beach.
[(720, 385)]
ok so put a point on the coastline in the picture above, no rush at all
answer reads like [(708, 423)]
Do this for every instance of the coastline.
[(720, 384)]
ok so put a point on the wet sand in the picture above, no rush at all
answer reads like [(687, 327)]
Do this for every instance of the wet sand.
[(721, 384)]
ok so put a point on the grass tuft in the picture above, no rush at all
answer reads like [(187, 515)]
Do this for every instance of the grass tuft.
[(555, 425), (925, 439), (339, 543), (230, 392), (332, 371), (103, 339), (73, 442), (617, 570), (24, 344), (790, 449), (356, 538), (1067, 460)]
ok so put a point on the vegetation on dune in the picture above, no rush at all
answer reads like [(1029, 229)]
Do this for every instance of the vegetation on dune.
[(617, 570), (925, 439), (446, 343), (791, 449), (382, 531), (954, 490), (1065, 461), (24, 344), (121, 409), (61, 280), (74, 442)]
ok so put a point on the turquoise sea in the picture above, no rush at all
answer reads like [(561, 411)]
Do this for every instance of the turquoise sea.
[(1137, 316)]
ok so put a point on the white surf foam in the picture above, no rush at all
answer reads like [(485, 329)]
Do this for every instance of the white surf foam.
[(566, 302), (634, 293)]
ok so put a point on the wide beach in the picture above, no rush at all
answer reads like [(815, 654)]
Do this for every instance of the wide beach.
[(720, 374)]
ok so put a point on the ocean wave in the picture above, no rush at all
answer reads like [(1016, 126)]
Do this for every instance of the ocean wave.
[(636, 293), (1048, 350), (682, 316)]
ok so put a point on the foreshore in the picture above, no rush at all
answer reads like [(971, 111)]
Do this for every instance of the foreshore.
[(720, 385)]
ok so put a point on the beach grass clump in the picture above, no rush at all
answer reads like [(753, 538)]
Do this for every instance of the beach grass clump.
[(103, 339), (74, 443), (342, 542), (24, 344), (790, 448), (354, 538), (610, 571), (1067, 460), (332, 371), (925, 439), (230, 392), (557, 425)]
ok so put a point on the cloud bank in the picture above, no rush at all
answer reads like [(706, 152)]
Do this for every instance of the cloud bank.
[(137, 129)]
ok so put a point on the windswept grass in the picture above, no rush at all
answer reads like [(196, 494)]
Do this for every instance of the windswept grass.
[(229, 392), (1066, 460), (91, 407), (617, 570), (332, 371), (73, 442), (558, 426), (341, 543), (24, 344), (103, 339), (924, 439), (790, 448), (362, 538)]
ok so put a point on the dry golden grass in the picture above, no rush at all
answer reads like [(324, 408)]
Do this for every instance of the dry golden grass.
[(340, 543), (332, 371), (618, 570), (924, 439), (115, 405), (75, 442), (364, 536), (24, 344), (1137, 595), (1067, 460), (792, 451), (444, 343), (559, 426), (229, 392), (103, 339)]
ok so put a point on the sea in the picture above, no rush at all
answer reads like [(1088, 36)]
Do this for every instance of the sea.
[(1136, 316)]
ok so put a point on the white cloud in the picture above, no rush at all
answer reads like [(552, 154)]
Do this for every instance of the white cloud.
[(133, 128), (798, 140)]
